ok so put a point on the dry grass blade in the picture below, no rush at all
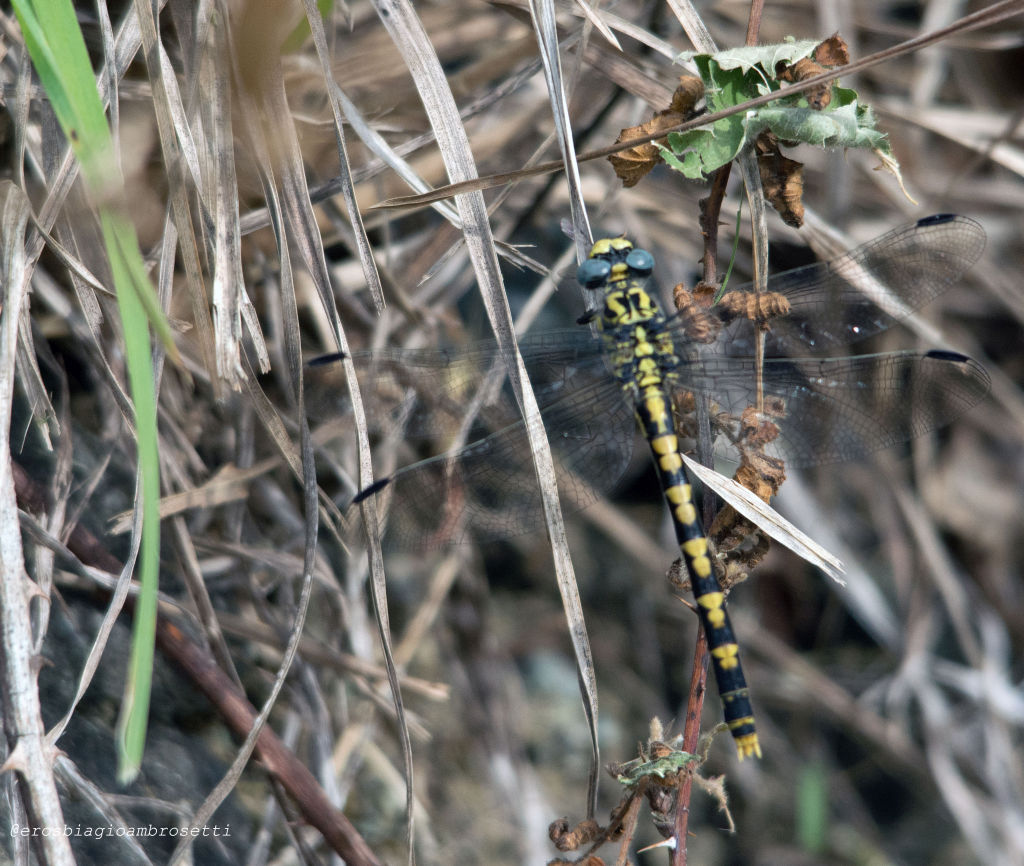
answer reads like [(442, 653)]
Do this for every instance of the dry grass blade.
[(433, 89), (32, 756), (693, 25), (596, 18), (228, 281), (542, 12), (769, 520), (362, 243), (174, 133), (990, 136)]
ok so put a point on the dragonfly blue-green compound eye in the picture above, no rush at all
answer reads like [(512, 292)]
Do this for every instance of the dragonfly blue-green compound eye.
[(640, 261), (593, 273)]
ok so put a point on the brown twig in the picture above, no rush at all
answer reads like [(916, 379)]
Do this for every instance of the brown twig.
[(754, 22), (691, 735)]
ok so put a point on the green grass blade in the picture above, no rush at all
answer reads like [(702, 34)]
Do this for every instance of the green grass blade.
[(58, 53)]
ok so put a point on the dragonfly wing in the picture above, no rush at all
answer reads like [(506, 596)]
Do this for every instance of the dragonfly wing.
[(866, 290), (831, 410), (488, 490), (428, 390)]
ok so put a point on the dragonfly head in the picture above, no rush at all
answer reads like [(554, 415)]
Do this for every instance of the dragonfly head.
[(613, 259)]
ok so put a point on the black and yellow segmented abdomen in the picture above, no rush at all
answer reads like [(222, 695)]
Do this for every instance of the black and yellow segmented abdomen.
[(709, 596), (654, 413), (643, 358)]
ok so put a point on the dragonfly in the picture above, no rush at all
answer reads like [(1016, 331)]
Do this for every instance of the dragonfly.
[(644, 365)]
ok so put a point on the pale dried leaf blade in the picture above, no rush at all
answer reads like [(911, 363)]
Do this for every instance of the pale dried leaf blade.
[(33, 755), (768, 520), (597, 19), (388, 155), (693, 25), (228, 279), (362, 242), (14, 215), (73, 263), (15, 276), (453, 189), (179, 153), (407, 30), (543, 15), (32, 381), (408, 33)]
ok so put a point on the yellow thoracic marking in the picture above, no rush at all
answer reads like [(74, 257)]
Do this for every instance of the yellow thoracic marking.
[(628, 306), (644, 302), (643, 348), (616, 310), (649, 375)]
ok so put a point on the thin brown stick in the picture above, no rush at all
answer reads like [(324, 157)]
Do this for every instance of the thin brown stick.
[(711, 211), (691, 735), (754, 22)]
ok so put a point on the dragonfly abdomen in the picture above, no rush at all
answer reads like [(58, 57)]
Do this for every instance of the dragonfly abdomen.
[(655, 415)]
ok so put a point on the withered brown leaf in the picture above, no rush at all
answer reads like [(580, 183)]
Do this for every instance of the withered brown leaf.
[(633, 164), (782, 180)]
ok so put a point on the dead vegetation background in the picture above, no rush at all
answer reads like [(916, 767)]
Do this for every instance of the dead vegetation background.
[(890, 710)]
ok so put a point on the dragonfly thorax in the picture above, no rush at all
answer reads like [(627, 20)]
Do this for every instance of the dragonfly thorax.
[(629, 306)]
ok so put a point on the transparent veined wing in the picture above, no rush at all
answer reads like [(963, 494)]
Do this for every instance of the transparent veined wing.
[(830, 410), (430, 391), (488, 489), (864, 291)]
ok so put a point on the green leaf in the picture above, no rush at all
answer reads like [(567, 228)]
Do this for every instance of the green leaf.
[(738, 75), (747, 57), (706, 149), (633, 771)]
